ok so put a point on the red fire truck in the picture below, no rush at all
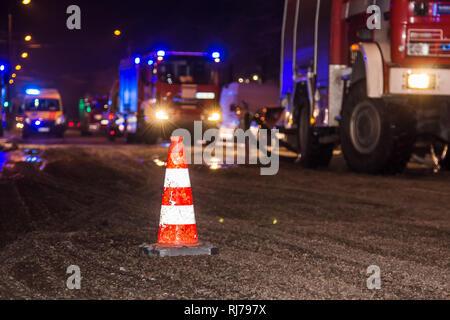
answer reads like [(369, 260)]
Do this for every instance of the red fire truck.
[(163, 91), (375, 78)]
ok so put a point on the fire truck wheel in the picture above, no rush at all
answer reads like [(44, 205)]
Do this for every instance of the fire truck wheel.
[(312, 154), (376, 137)]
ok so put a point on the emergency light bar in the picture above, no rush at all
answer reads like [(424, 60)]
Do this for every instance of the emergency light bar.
[(33, 92)]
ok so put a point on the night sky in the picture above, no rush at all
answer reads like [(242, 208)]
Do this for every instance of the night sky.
[(86, 61)]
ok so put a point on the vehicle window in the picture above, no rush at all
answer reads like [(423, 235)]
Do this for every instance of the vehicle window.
[(100, 105), (42, 105), (186, 70)]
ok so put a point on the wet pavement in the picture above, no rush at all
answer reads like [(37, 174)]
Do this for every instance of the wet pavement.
[(301, 234)]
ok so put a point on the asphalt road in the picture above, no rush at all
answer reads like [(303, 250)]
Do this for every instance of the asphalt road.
[(301, 234)]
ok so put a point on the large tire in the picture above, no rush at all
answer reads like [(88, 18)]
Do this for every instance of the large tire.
[(376, 137), (312, 154)]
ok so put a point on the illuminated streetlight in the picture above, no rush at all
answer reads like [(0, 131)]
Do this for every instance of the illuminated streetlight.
[(255, 77), (25, 2), (241, 80), (13, 75), (28, 38), (24, 55), (11, 81), (18, 67), (117, 33)]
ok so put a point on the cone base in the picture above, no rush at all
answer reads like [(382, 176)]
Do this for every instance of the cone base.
[(158, 250)]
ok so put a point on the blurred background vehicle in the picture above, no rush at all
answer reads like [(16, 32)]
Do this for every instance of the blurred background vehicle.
[(241, 101), (94, 116), (41, 112), (163, 91)]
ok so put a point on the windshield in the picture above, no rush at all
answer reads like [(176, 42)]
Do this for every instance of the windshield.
[(186, 70), (99, 105), (42, 105)]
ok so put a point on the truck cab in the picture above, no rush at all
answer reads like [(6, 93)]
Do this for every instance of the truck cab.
[(163, 91)]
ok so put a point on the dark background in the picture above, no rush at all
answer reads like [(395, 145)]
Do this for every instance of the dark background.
[(86, 61)]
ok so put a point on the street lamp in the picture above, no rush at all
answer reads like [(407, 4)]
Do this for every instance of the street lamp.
[(117, 32), (18, 67), (28, 38), (26, 2), (24, 55)]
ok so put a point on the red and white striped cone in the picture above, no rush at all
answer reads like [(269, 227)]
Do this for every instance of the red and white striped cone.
[(177, 228)]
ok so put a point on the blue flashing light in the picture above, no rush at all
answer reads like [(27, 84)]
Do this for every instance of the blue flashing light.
[(33, 92), (37, 123), (446, 47), (161, 53), (216, 55), (2, 67), (137, 60), (150, 62)]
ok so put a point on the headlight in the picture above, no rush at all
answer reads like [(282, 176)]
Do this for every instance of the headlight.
[(59, 120), (418, 49), (215, 116), (421, 81), (162, 115), (19, 125)]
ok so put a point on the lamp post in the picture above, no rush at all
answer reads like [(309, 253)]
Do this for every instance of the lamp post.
[(6, 96)]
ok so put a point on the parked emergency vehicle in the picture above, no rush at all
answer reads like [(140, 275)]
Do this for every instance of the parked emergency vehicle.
[(42, 112), (377, 91), (163, 91)]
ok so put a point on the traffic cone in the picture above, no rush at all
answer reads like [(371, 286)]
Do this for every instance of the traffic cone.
[(177, 234)]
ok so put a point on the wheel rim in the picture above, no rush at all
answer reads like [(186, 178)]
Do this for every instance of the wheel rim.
[(365, 127)]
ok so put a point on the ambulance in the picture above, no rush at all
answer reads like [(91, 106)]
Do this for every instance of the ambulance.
[(43, 112)]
